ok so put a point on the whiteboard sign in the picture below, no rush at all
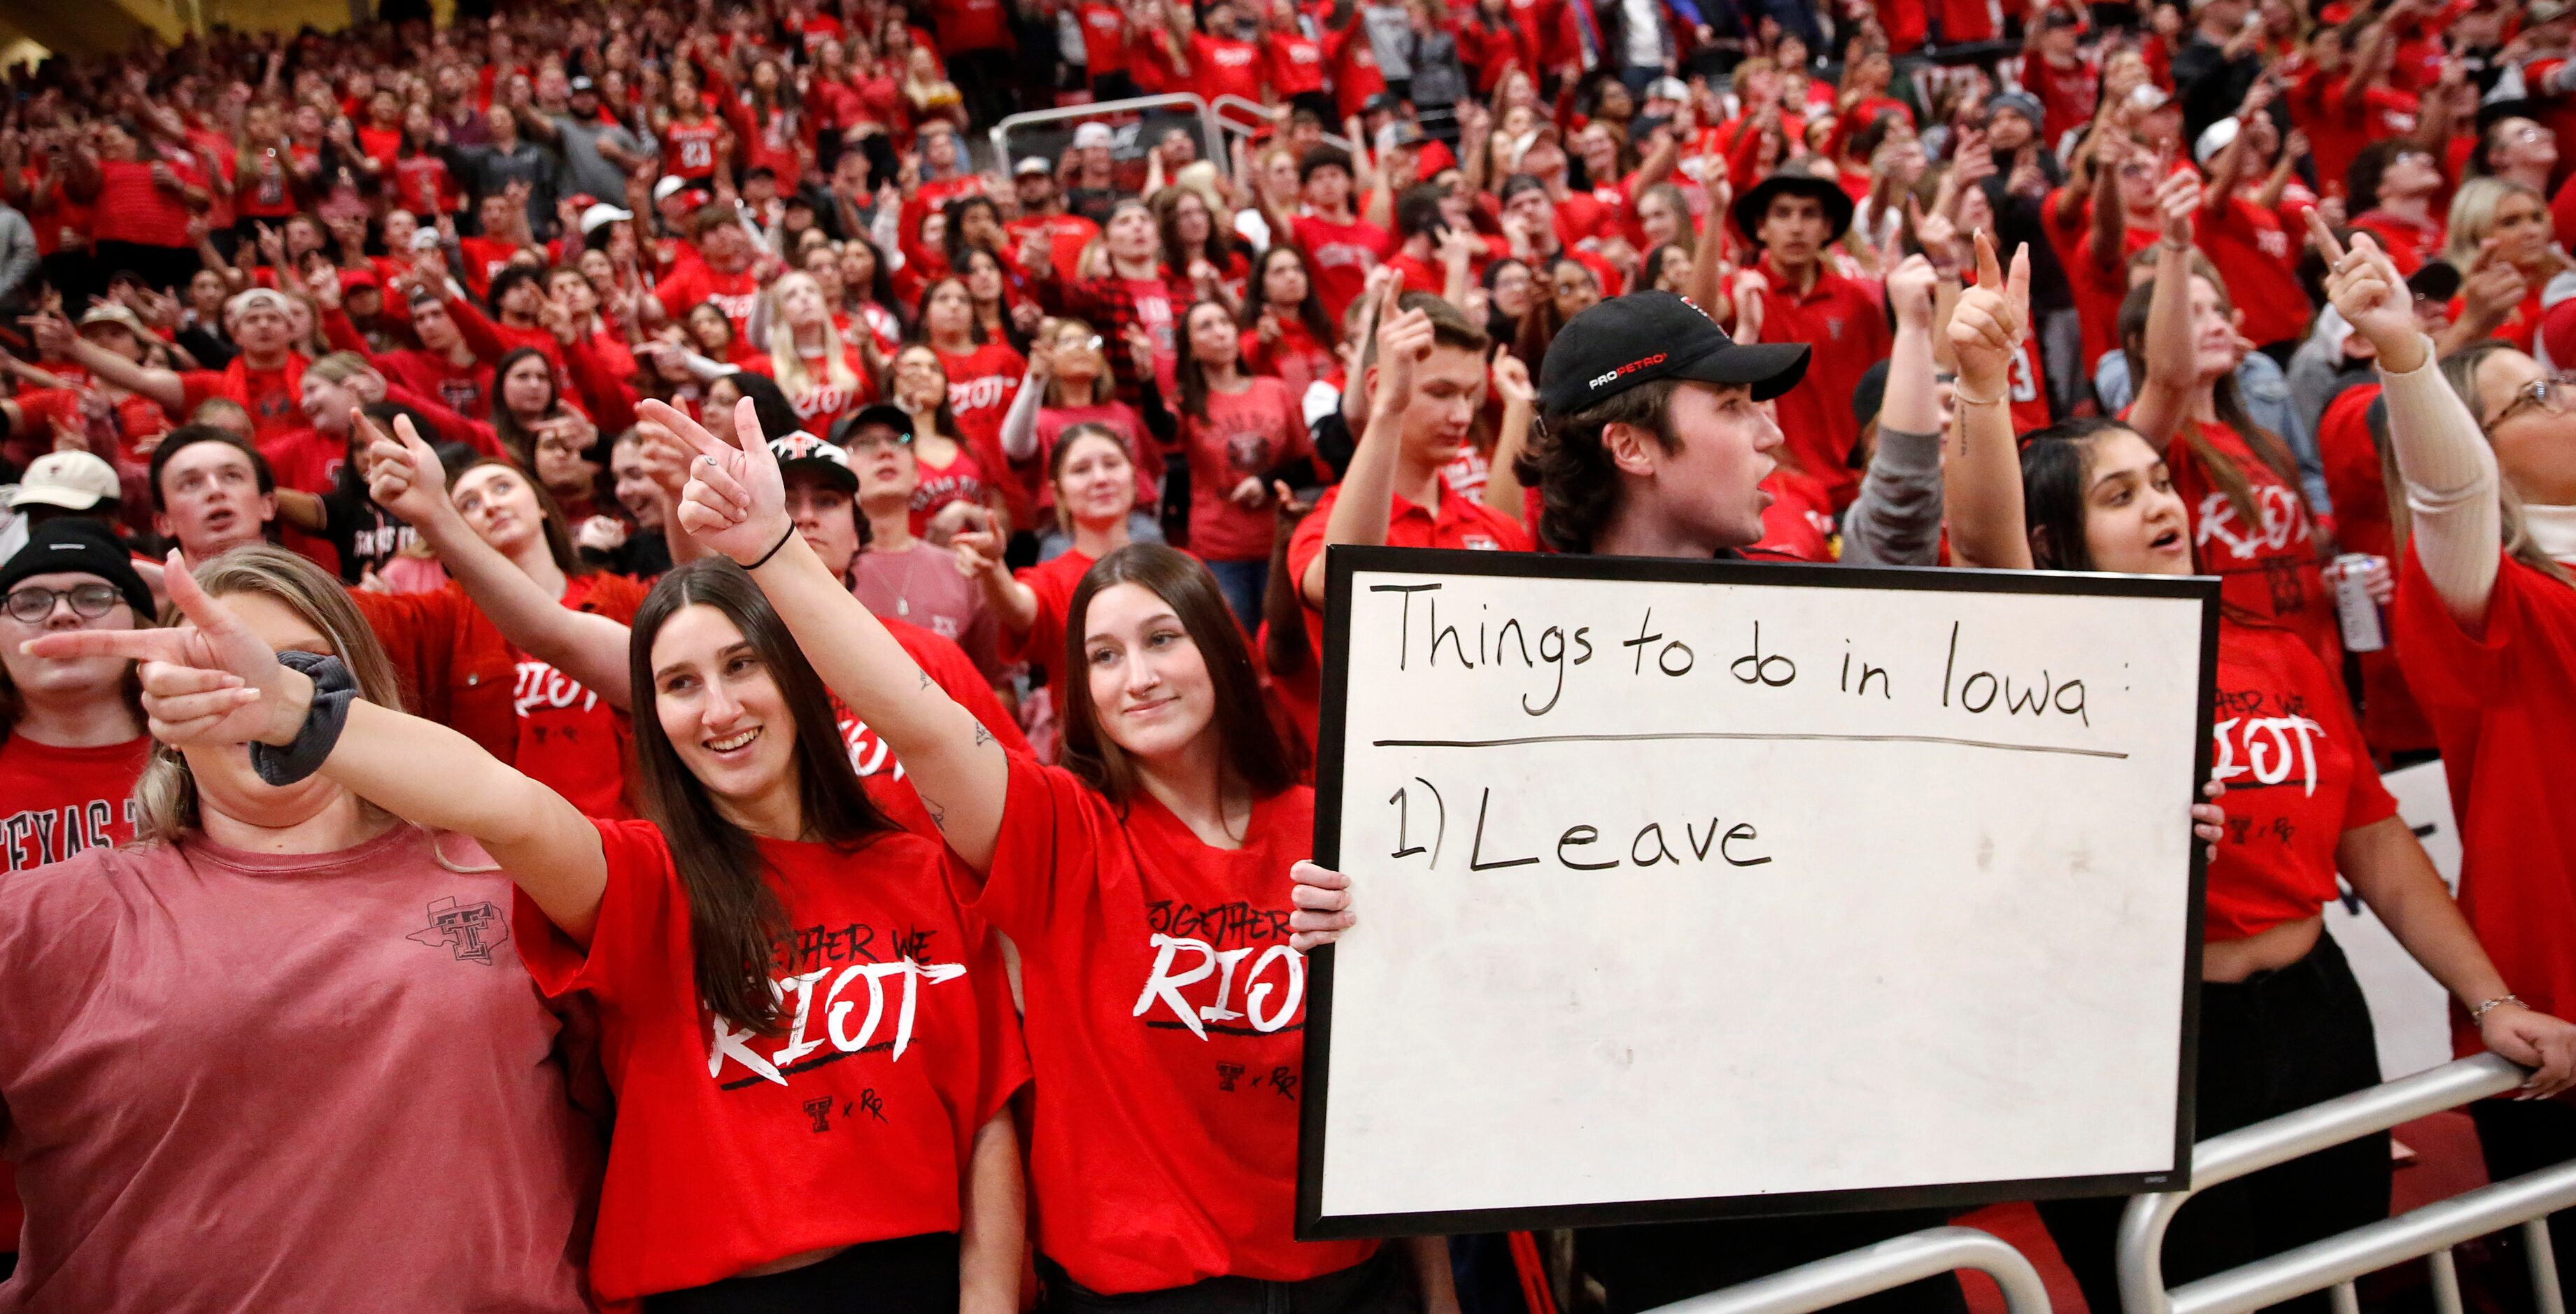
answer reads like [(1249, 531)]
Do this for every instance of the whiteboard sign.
[(1689, 889)]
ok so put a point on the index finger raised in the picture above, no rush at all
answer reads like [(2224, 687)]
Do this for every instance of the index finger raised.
[(692, 435), (2324, 237)]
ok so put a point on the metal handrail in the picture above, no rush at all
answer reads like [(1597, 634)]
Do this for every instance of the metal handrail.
[(1208, 121), (1263, 113), (2335, 1261), (1882, 1267)]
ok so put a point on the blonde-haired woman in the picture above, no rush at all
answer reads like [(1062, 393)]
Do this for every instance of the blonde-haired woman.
[(2499, 222), (271, 978), (823, 375)]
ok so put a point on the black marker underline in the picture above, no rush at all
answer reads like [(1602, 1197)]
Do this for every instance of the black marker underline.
[(1748, 734)]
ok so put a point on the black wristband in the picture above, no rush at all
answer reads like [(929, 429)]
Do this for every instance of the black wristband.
[(333, 688), (773, 549)]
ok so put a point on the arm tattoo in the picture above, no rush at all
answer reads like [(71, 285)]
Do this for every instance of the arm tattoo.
[(925, 677), (982, 735)]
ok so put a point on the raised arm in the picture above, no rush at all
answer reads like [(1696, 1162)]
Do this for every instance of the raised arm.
[(2172, 365), (1983, 479), (404, 477), (1503, 489), (2453, 488), (979, 558), (1897, 518), (736, 505), (56, 337), (213, 683), (1361, 511)]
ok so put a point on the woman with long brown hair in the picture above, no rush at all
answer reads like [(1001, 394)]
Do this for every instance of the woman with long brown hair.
[(728, 941), (1235, 428), (1176, 794), (469, 675), (2250, 524), (204, 1025)]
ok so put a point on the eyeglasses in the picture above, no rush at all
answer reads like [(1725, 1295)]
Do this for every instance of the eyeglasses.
[(2540, 396), (32, 604), (871, 442)]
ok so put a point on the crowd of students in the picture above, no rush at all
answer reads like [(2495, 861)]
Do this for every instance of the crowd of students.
[(624, 681)]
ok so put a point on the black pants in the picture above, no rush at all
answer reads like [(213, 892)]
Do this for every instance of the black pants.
[(165, 268), (1381, 1284), (2276, 1042), (2519, 1138), (1651, 1264), (908, 1275)]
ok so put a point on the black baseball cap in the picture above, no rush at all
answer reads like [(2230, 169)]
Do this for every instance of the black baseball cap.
[(73, 545), (2438, 280), (1645, 336), (885, 413)]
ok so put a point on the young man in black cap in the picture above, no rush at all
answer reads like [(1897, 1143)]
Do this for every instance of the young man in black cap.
[(1798, 298)]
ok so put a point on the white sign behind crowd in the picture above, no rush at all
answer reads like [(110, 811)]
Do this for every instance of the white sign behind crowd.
[(1696, 882)]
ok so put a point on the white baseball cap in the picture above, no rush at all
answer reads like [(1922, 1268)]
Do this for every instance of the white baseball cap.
[(603, 213), (1032, 164), (74, 481), (1092, 134), (671, 182)]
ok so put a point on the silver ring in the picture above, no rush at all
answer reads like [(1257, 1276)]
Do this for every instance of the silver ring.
[(711, 460)]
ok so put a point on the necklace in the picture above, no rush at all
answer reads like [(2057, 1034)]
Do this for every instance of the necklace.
[(903, 594)]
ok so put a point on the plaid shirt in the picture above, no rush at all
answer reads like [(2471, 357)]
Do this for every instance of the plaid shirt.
[(1109, 305)]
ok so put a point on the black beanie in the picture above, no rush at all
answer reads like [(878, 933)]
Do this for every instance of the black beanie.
[(69, 543)]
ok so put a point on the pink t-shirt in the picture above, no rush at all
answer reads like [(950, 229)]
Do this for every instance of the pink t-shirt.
[(1244, 435), (239, 1081), (921, 584)]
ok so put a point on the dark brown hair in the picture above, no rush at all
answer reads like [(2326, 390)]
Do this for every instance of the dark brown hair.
[(1566, 461), (735, 920), (1190, 374), (1248, 745)]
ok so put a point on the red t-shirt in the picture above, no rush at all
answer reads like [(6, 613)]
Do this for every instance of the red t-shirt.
[(966, 25), (274, 398), (981, 386), (1294, 63), (569, 739), (2098, 292), (1458, 522), (821, 401), (2253, 251), (1222, 66), (421, 184), (1243, 436), (1066, 235), (1341, 256), (695, 280), (961, 479), (1845, 324), (948, 667), (766, 1138), (2503, 706), (1165, 1148), (1297, 358), (130, 207), (2297, 775), (1053, 581), (139, 421), (1799, 523), (2267, 569), (1104, 39), (61, 801), (1356, 76), (2336, 133), (690, 147), (64, 800), (2067, 96), (2409, 244), (2390, 719)]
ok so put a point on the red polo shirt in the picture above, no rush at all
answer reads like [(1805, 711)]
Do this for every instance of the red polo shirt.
[(1843, 320), (1458, 522)]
